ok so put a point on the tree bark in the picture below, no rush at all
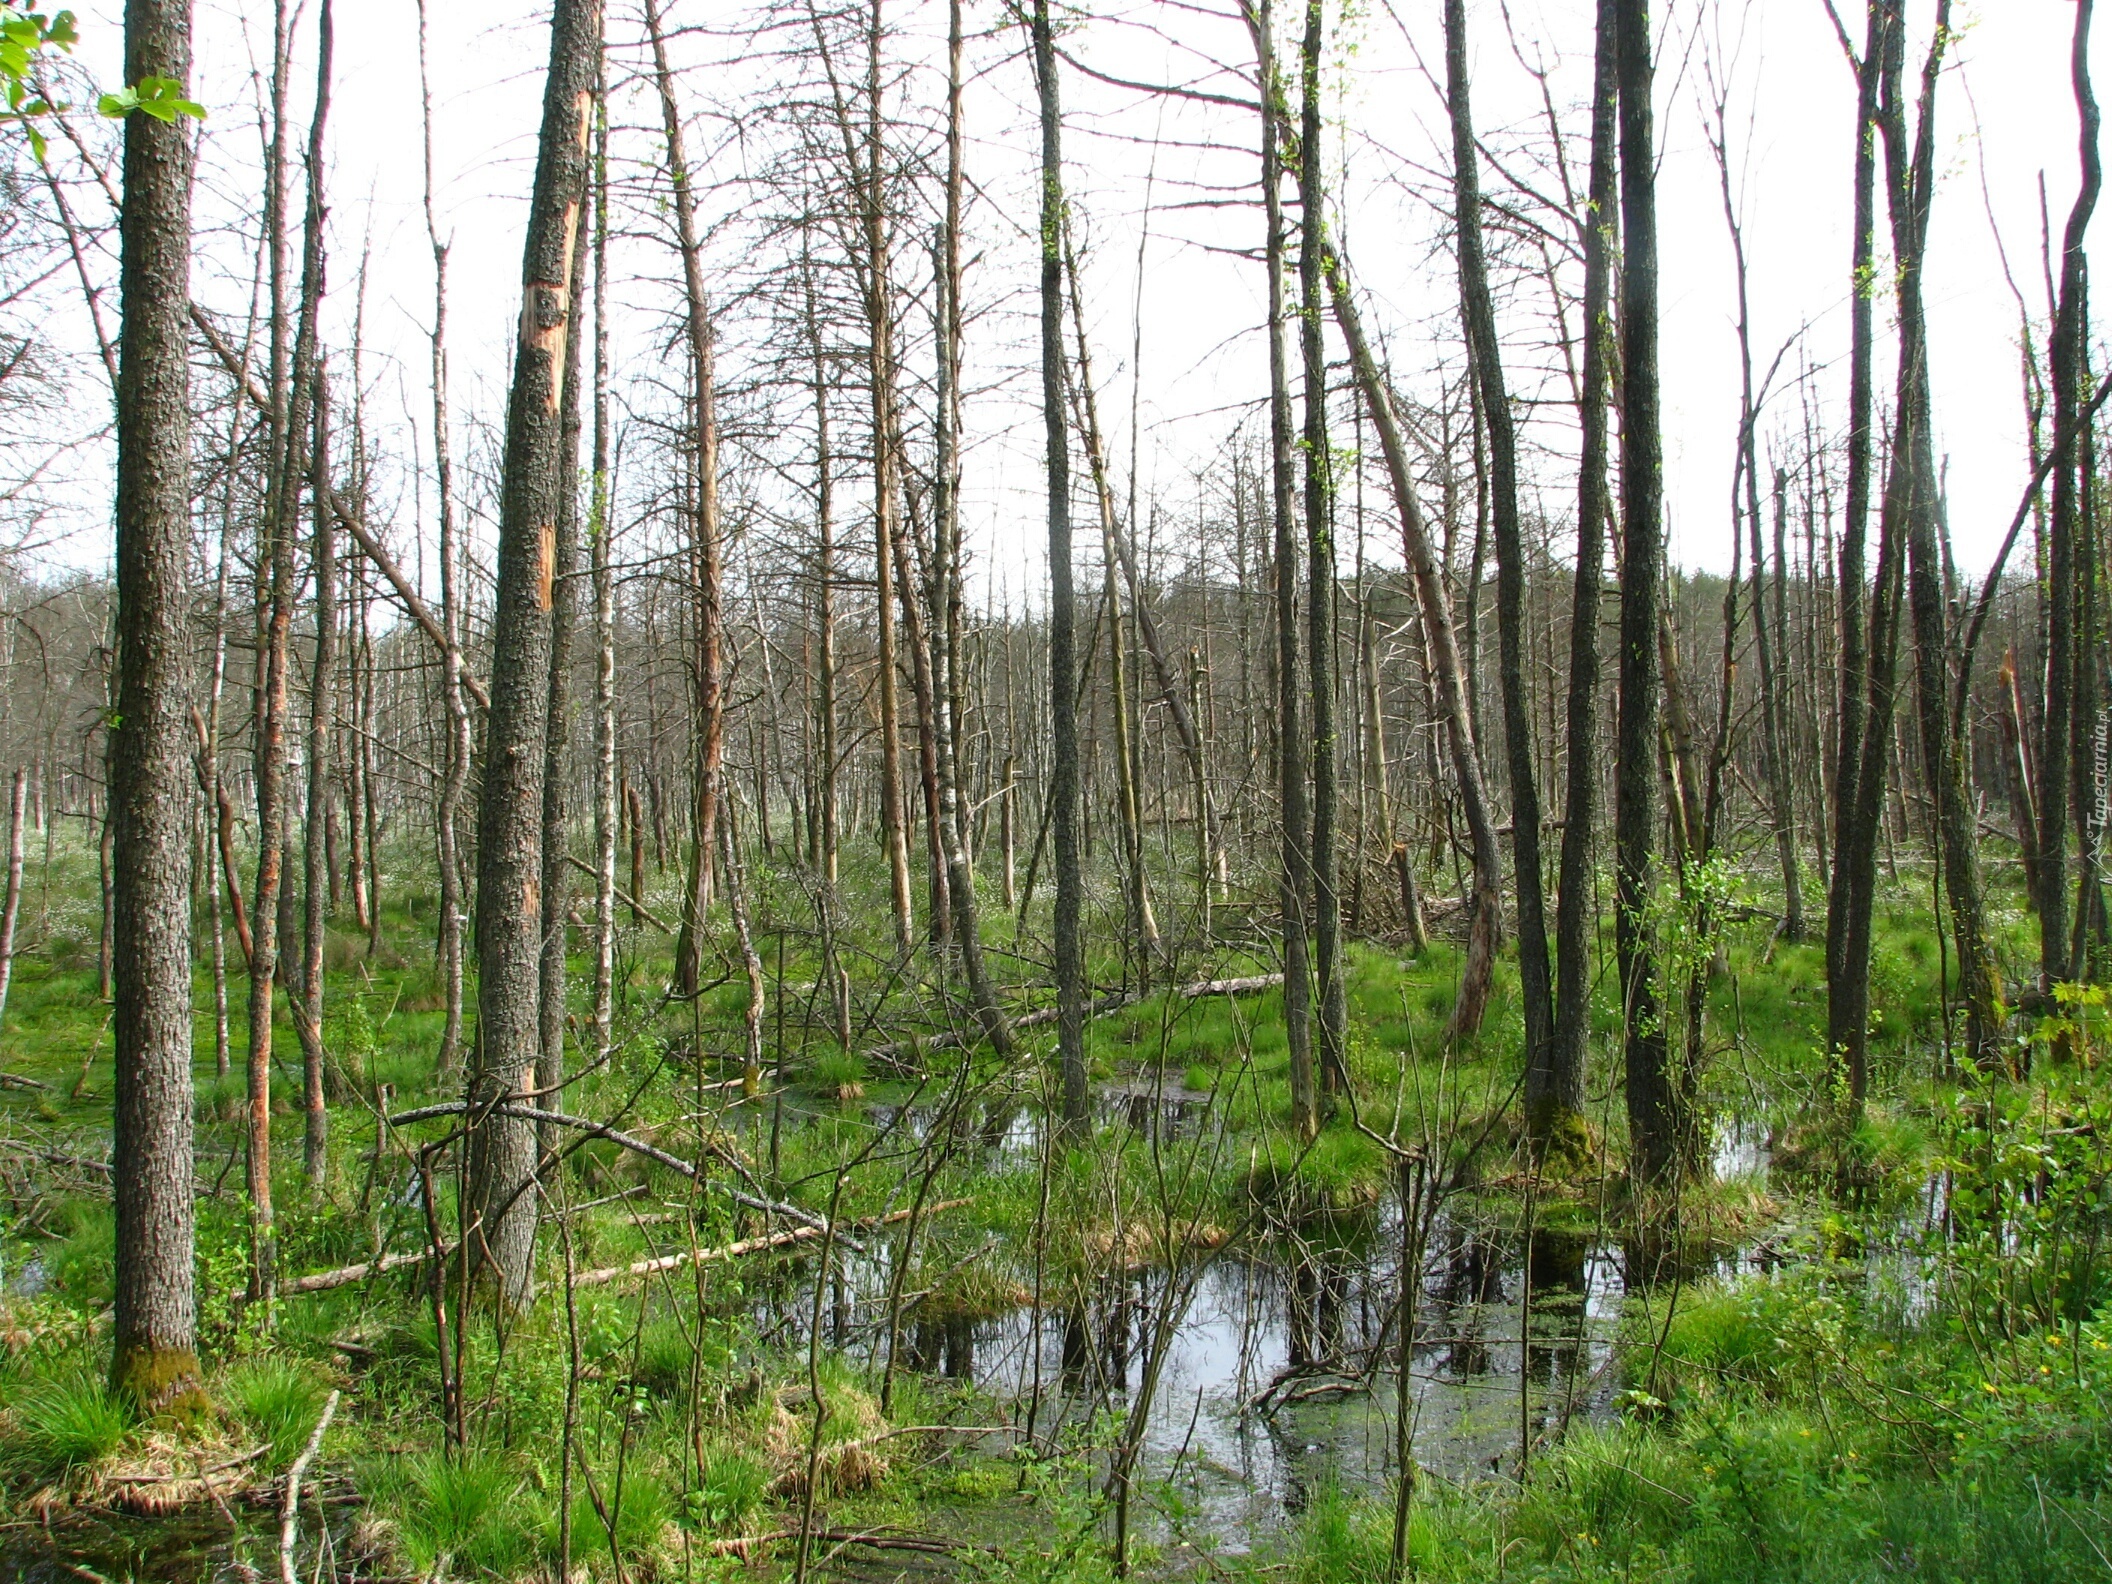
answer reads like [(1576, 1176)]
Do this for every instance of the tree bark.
[(710, 726), (1294, 815), (1063, 602), (1865, 630), (2067, 725), (1320, 572), (154, 1331), (1447, 672), (1575, 912), (1479, 310), (315, 879), (509, 817), (1656, 1119), (954, 815)]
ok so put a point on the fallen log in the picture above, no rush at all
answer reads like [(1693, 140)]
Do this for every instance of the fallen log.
[(746, 1246)]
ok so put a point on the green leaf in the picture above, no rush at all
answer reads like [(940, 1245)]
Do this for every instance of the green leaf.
[(160, 97)]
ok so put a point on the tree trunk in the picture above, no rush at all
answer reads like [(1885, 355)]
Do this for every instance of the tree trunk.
[(1320, 578), (1911, 179), (447, 818), (1447, 673), (2067, 724), (11, 906), (1295, 821), (1656, 1123), (1479, 309), (1866, 659), (275, 660), (600, 528), (1063, 602), (1575, 911), (509, 816), (710, 724), (954, 815), (557, 725), (315, 879), (154, 1331)]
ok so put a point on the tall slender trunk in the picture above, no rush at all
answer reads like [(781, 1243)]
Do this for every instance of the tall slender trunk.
[(1910, 184), (454, 775), (600, 527), (276, 659), (2067, 725), (1295, 819), (1143, 927), (315, 879), (557, 725), (1865, 629), (826, 793), (710, 728), (11, 905), (1320, 590), (955, 818), (501, 1237), (1575, 910), (1535, 986), (1063, 601), (1656, 1120), (1774, 707), (154, 1332)]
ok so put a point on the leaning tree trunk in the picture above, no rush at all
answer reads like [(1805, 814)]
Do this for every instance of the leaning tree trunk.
[(500, 1239), (154, 1331), (1447, 673)]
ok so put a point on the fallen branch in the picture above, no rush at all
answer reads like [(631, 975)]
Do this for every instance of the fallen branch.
[(290, 1516), (10, 1080), (346, 1275), (637, 907), (729, 1251), (743, 1546), (602, 1130)]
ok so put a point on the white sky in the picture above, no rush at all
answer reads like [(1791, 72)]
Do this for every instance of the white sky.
[(2004, 111)]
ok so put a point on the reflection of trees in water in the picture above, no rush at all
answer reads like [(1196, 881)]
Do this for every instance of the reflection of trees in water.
[(1469, 1278), (945, 1345), (1555, 1355)]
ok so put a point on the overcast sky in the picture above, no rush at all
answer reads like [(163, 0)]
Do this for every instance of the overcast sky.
[(2005, 120)]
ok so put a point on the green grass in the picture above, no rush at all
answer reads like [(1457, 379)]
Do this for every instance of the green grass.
[(61, 1423)]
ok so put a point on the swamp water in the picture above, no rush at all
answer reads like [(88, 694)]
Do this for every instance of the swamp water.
[(1276, 1360)]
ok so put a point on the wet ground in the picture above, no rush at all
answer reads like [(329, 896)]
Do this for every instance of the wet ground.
[(1264, 1371)]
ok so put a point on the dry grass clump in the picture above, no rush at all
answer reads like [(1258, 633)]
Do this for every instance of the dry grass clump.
[(849, 1460)]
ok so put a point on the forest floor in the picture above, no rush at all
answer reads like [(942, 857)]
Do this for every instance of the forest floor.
[(1174, 1346)]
